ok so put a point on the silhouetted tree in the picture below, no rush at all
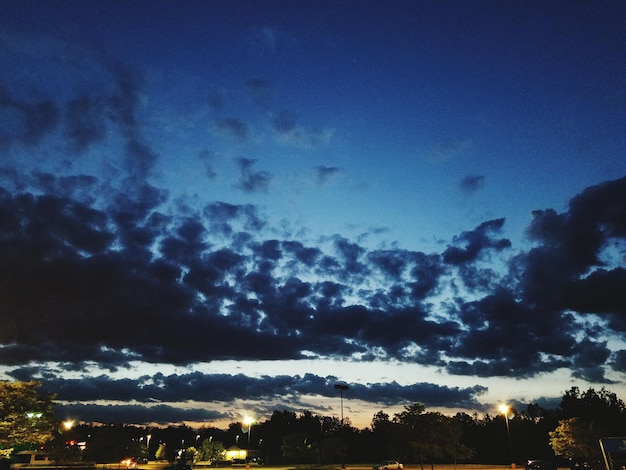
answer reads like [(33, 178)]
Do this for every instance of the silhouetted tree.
[(331, 450), (423, 436), (296, 448), (602, 407)]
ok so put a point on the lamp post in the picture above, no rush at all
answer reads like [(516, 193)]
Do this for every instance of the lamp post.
[(504, 409), (248, 420), (148, 445), (342, 388)]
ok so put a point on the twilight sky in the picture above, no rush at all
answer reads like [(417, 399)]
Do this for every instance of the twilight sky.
[(218, 208)]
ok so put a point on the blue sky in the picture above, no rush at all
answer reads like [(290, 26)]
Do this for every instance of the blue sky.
[(422, 199)]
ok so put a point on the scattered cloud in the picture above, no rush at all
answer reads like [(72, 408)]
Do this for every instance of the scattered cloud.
[(252, 181), (325, 174), (471, 183), (233, 127), (447, 150)]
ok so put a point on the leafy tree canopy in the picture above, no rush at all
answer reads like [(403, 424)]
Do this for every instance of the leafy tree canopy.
[(586, 417), (26, 417), (575, 438), (211, 450)]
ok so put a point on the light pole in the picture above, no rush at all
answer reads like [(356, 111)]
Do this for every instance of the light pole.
[(504, 409), (148, 445), (342, 388), (248, 420)]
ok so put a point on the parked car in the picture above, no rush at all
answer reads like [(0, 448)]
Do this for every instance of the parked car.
[(388, 465), (537, 464), (585, 464)]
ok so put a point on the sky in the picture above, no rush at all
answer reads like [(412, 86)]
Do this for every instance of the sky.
[(224, 208)]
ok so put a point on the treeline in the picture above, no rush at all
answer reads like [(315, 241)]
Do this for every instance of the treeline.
[(414, 435)]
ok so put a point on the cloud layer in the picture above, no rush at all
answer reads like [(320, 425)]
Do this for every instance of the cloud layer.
[(129, 283)]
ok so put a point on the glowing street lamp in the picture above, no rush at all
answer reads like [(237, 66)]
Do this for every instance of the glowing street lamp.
[(248, 420), (148, 445), (68, 424), (504, 409)]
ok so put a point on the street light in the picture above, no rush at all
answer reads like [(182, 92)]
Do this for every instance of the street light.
[(248, 420), (148, 445), (342, 388), (504, 409)]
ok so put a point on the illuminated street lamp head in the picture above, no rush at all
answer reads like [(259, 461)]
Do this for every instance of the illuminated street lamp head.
[(248, 420), (504, 409), (68, 424)]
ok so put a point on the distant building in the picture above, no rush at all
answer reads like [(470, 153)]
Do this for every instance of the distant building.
[(236, 453)]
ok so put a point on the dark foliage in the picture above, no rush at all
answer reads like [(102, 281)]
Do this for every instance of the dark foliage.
[(291, 438)]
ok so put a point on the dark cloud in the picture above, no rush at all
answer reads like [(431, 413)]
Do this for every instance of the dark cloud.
[(471, 183), (600, 292), (252, 181), (136, 414), (571, 244), (81, 188), (302, 254), (25, 122), (128, 264), (589, 358), (285, 121), (470, 246), (208, 160), (86, 122), (507, 337), (619, 362), (224, 218), (156, 393), (260, 92), (323, 174), (233, 127), (83, 118)]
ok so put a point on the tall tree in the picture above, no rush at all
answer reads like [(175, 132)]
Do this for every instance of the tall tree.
[(212, 450), (575, 438), (426, 436), (586, 417), (599, 406), (26, 417)]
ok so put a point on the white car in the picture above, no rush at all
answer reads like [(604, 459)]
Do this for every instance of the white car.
[(388, 465)]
